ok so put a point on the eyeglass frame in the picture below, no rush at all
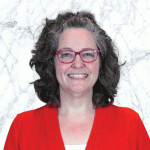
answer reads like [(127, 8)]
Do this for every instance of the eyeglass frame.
[(77, 53)]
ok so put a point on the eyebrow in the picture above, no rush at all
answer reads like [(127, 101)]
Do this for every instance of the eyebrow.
[(68, 48)]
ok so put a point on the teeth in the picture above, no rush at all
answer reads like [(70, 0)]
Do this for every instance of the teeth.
[(77, 75)]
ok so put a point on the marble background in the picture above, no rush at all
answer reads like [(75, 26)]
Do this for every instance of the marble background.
[(126, 21)]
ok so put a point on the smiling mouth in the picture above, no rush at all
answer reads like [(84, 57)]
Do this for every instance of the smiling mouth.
[(77, 75)]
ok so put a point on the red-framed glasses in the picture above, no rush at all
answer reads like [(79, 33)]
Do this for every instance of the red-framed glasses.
[(86, 55)]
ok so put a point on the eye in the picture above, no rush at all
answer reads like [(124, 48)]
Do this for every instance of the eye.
[(66, 54), (88, 54)]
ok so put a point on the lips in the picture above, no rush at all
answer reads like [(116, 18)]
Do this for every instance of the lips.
[(77, 75)]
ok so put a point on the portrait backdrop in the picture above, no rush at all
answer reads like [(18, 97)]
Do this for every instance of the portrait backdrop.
[(127, 22)]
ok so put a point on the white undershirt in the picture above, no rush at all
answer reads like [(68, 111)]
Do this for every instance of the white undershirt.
[(75, 147)]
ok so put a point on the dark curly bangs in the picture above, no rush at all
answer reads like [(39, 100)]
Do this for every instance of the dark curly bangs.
[(47, 87)]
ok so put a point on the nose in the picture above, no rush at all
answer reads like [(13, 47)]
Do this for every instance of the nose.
[(78, 63)]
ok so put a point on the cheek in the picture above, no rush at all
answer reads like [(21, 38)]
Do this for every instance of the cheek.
[(60, 71), (95, 70), (96, 67), (58, 67)]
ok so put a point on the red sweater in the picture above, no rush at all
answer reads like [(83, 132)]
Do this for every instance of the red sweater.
[(114, 128)]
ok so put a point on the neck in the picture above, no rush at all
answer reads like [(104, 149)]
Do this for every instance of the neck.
[(74, 104)]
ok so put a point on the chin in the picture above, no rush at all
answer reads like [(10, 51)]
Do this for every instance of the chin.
[(80, 90)]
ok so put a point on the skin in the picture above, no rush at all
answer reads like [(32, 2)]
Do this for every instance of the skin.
[(75, 94)]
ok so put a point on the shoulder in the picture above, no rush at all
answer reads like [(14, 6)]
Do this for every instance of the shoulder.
[(120, 118), (115, 108), (31, 114), (27, 120), (123, 110), (118, 112), (33, 111)]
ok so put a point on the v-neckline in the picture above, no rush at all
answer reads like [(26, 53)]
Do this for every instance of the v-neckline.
[(91, 128), (53, 129)]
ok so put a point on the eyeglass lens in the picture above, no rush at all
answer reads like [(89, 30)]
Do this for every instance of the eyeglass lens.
[(67, 56)]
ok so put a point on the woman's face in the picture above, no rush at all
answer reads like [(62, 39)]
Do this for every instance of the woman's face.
[(76, 39)]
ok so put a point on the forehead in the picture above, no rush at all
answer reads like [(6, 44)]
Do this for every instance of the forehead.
[(76, 37)]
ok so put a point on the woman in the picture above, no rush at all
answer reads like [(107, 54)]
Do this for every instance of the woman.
[(79, 73)]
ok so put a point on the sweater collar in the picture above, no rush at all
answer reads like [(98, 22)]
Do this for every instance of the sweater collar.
[(54, 133)]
